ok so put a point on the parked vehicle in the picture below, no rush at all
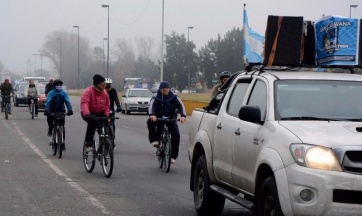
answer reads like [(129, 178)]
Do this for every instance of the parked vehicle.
[(280, 142), (135, 100), (19, 91)]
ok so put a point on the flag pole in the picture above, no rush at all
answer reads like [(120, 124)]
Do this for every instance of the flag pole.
[(244, 38)]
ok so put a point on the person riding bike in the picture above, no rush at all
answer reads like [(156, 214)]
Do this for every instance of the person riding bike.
[(32, 91), (113, 97), (6, 89), (49, 86), (224, 76), (55, 103), (164, 104), (94, 103)]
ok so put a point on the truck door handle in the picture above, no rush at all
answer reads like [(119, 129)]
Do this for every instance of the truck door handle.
[(237, 132), (219, 126)]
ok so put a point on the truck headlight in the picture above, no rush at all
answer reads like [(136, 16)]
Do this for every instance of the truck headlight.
[(316, 157)]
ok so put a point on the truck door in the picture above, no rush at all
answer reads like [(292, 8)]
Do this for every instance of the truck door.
[(224, 136), (250, 137)]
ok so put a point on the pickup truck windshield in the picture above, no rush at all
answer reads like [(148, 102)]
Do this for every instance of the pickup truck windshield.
[(318, 99)]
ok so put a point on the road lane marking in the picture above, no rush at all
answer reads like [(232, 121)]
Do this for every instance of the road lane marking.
[(58, 171)]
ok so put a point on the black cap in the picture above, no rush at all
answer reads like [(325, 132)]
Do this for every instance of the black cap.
[(98, 79)]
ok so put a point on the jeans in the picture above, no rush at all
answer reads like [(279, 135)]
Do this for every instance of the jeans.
[(2, 103)]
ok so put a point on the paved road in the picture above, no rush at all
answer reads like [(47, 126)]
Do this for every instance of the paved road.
[(34, 182)]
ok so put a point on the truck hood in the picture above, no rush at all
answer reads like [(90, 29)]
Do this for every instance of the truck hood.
[(324, 133)]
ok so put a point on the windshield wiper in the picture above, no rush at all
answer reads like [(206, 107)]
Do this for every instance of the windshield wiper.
[(309, 118)]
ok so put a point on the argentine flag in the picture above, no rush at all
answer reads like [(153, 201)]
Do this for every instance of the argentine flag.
[(253, 43)]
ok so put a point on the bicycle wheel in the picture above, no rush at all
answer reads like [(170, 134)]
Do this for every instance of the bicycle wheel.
[(32, 111), (88, 158), (60, 141), (160, 152), (111, 134), (54, 142), (107, 157), (6, 111), (167, 154)]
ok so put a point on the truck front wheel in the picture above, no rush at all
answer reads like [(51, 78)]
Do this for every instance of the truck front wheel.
[(268, 202), (206, 201)]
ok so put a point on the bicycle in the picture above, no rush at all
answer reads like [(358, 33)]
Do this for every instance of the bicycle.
[(164, 150), (104, 151), (58, 136), (6, 104), (32, 106)]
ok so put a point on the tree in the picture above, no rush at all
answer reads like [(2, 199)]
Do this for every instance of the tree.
[(180, 59), (124, 62), (221, 55), (145, 65), (68, 45), (208, 62)]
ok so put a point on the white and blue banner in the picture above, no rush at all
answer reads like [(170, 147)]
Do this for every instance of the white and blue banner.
[(336, 41), (253, 43)]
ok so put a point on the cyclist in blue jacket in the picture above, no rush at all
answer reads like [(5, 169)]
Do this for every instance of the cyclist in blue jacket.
[(55, 103), (164, 104)]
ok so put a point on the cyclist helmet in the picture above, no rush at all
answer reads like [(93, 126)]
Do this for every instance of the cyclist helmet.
[(108, 81), (57, 82), (225, 74)]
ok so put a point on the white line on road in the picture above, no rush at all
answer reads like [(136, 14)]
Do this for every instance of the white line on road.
[(74, 185)]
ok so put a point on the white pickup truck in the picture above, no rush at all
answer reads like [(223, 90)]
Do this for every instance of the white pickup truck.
[(280, 143)]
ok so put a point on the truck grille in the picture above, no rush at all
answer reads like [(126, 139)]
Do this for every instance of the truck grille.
[(352, 161)]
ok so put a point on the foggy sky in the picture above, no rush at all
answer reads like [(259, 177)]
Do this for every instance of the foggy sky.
[(24, 23)]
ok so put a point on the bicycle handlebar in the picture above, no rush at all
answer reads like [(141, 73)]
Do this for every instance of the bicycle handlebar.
[(167, 120)]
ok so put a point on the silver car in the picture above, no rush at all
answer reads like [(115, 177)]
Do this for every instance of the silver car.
[(136, 100)]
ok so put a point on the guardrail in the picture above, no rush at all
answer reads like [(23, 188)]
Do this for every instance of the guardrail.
[(191, 105)]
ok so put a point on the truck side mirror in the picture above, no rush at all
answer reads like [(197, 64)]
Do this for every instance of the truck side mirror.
[(250, 113)]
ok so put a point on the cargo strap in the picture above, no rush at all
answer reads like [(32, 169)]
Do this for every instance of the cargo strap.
[(274, 47)]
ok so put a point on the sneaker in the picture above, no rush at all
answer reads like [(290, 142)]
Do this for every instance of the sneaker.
[(88, 144), (173, 160), (63, 147), (155, 144), (9, 113)]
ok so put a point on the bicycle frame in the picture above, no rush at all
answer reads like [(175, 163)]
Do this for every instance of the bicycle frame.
[(165, 148), (6, 102), (32, 106), (58, 133), (103, 151)]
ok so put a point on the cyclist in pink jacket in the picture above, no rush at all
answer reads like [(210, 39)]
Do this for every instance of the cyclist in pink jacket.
[(94, 103)]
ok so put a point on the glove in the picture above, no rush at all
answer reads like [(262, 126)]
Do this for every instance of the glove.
[(119, 109), (46, 113), (70, 112), (90, 118)]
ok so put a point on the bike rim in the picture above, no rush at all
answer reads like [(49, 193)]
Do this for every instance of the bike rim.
[(107, 157), (88, 159)]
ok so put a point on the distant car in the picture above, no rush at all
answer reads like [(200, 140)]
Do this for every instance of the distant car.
[(42, 98), (19, 91), (135, 100)]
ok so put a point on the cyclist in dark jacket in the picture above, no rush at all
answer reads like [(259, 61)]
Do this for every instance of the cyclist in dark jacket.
[(49, 86), (55, 103), (6, 89), (164, 104), (113, 98)]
